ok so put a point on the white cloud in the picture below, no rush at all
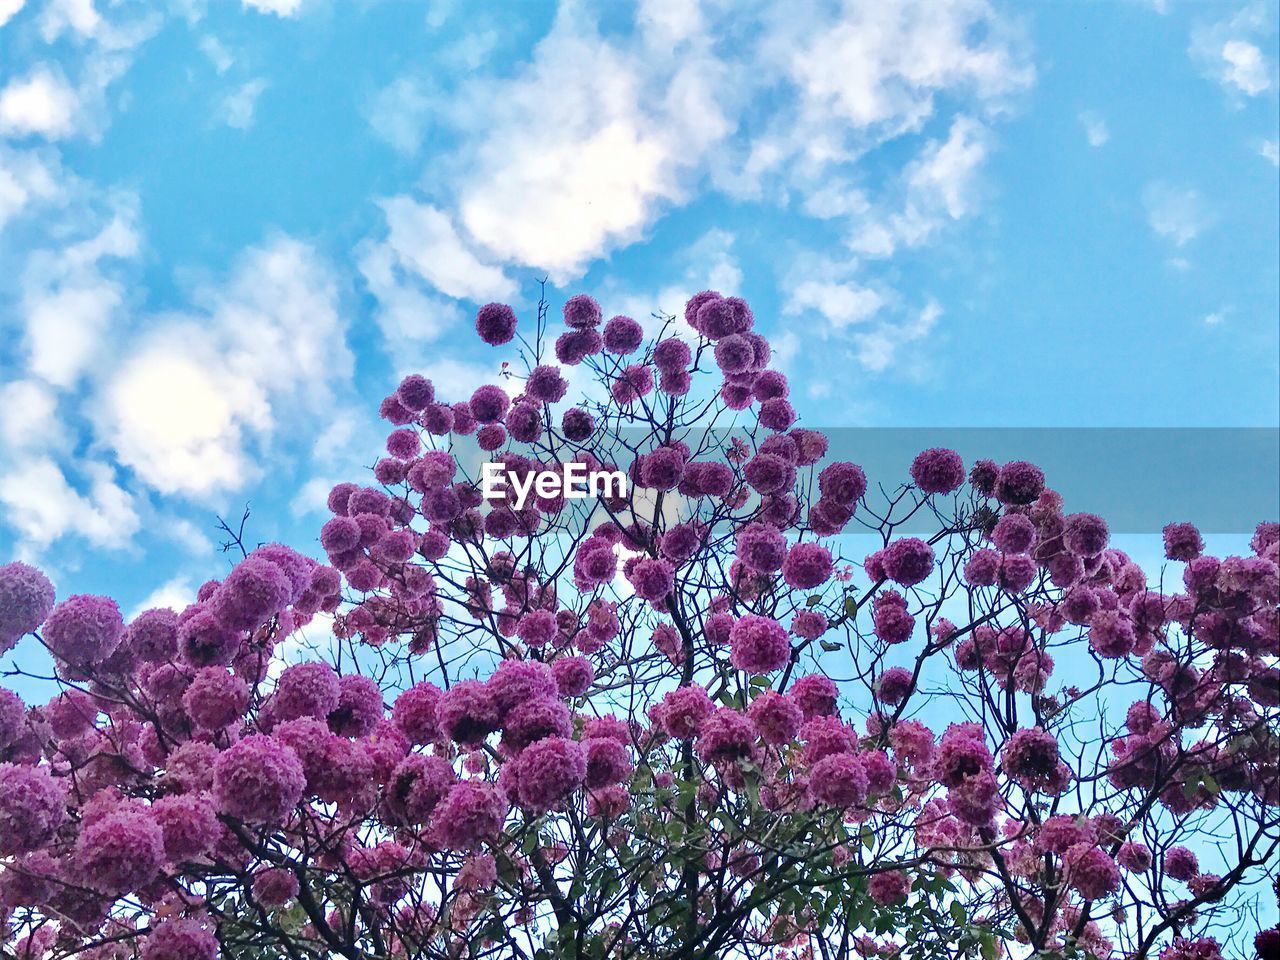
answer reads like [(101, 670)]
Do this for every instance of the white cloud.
[(1215, 318), (187, 535), (841, 304), (408, 316), (28, 414), (1174, 213), (425, 241), (938, 186), (42, 103), (195, 391), (581, 149), (69, 302), (9, 9), (176, 594), (25, 179), (1270, 150), (1245, 67), (877, 349), (77, 16), (883, 64), (578, 150), (1095, 128), (237, 107), (281, 8), (217, 54), (1228, 51), (398, 114), (42, 505)]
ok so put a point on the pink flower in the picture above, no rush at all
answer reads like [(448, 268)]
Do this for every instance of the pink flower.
[(32, 807), (215, 698), (26, 597), (894, 685), (1091, 872), (258, 780), (683, 711), (807, 565), (759, 645), (573, 675), (889, 887), (1180, 863), (414, 712), (416, 787), (467, 713), (359, 706), (470, 814), (938, 470), (306, 690), (907, 561), (777, 718), (83, 629), (725, 736), (120, 852), (838, 780), (179, 938), (1134, 857), (496, 324), (607, 761), (189, 825), (815, 695), (275, 887)]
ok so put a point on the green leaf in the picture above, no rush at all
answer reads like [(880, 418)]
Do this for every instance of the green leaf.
[(958, 913), (813, 601), (850, 606), (830, 645)]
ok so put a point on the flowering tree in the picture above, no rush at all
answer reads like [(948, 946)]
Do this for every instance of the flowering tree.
[(665, 721)]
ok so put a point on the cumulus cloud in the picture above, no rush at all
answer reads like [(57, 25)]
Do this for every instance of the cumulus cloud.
[(28, 414), (409, 316), (1245, 67), (842, 304), (70, 300), (9, 9), (425, 241), (583, 147), (1270, 150), (197, 392), (42, 104), (1229, 51), (42, 505), (580, 149)]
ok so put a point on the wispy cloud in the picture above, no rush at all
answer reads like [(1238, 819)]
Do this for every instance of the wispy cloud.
[(280, 8), (1095, 128), (1175, 213), (237, 107)]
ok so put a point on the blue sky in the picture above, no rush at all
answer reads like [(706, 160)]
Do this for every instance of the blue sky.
[(226, 230)]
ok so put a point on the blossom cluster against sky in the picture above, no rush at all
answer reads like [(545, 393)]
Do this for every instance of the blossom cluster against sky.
[(226, 230)]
